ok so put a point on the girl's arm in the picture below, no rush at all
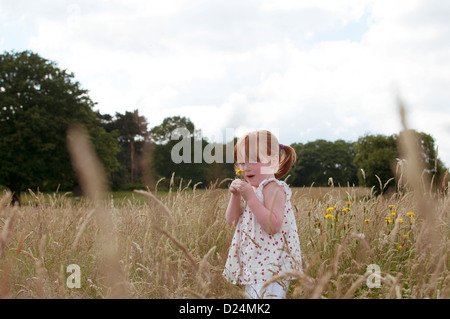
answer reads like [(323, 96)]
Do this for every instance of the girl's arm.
[(234, 209), (270, 214)]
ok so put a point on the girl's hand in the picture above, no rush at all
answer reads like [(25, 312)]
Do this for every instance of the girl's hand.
[(235, 187), (241, 187)]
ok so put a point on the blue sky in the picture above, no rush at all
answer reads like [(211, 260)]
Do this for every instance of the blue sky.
[(312, 69)]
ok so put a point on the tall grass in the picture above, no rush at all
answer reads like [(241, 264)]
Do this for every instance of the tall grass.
[(175, 246)]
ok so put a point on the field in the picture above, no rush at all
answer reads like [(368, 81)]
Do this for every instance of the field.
[(174, 245)]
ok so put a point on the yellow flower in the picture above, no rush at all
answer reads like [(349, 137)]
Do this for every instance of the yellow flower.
[(399, 247), (348, 203), (345, 210), (406, 235), (329, 216), (329, 209), (411, 214), (393, 214), (367, 220), (387, 220), (400, 220), (392, 207), (239, 172)]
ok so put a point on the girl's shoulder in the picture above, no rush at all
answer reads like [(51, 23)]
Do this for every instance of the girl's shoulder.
[(272, 185)]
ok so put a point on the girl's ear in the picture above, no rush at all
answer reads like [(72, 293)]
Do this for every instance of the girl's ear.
[(272, 168)]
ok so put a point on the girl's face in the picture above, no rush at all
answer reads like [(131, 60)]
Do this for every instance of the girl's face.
[(255, 173), (257, 162)]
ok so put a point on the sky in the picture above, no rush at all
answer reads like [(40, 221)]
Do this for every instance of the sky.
[(307, 69)]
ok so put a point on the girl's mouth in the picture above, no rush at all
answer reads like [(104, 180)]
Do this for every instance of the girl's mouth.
[(250, 176)]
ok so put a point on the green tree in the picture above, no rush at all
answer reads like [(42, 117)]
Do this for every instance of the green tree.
[(320, 160), (375, 156), (38, 102), (131, 131), (161, 133), (163, 163)]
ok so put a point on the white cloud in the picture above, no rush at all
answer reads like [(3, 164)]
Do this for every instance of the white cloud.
[(252, 63), (343, 9)]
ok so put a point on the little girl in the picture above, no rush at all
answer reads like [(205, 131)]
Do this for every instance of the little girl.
[(265, 241)]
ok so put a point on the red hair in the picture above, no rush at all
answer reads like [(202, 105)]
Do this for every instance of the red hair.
[(265, 144)]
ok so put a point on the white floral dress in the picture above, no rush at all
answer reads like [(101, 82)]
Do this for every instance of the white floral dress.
[(255, 255)]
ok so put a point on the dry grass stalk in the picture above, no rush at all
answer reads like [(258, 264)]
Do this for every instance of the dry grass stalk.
[(180, 245), (166, 210), (93, 183), (5, 235), (409, 147)]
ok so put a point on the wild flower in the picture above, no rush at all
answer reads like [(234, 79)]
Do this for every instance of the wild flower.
[(329, 216), (239, 173), (411, 215)]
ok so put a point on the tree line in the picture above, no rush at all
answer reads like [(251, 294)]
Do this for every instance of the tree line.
[(39, 102)]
